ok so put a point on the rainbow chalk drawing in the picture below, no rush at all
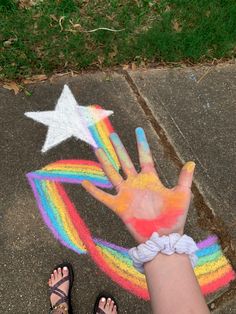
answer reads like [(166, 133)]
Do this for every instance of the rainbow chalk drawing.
[(213, 270)]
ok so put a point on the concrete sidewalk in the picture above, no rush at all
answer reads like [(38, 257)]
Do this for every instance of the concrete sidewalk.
[(186, 113)]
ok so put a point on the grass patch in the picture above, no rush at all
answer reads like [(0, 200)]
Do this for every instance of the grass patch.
[(52, 35)]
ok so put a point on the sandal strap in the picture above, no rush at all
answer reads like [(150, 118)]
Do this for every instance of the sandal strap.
[(60, 282), (60, 301), (54, 289), (62, 292), (100, 311), (58, 292)]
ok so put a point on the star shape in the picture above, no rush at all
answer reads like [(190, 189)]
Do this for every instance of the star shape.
[(68, 119)]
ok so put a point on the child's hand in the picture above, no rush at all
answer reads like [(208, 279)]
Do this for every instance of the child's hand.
[(142, 202)]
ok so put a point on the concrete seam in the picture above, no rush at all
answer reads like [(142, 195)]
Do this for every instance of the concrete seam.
[(206, 218)]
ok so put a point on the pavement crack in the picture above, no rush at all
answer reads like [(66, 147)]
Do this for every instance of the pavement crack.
[(183, 136), (206, 219)]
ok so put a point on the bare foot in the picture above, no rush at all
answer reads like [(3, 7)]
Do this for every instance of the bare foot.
[(107, 306), (56, 276)]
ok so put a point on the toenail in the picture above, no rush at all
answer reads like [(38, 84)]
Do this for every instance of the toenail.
[(65, 268), (103, 299), (109, 299)]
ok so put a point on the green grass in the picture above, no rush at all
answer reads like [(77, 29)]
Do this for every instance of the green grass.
[(32, 41)]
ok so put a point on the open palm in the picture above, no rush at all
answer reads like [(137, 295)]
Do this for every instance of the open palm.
[(142, 202)]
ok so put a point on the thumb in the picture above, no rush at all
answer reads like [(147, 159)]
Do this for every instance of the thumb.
[(105, 198)]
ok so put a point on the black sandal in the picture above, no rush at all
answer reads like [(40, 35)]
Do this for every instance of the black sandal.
[(63, 297), (97, 309)]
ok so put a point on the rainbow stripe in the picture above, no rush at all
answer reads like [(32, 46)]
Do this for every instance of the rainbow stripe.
[(100, 133), (213, 270)]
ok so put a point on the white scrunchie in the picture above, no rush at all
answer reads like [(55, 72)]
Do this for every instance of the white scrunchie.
[(173, 243)]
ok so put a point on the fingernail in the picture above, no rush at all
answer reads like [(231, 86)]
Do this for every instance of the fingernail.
[(113, 135), (189, 166), (139, 129)]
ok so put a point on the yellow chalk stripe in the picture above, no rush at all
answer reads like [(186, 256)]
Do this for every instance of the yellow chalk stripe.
[(105, 133), (75, 167), (122, 264), (67, 223), (126, 272), (208, 278), (69, 171), (107, 143), (210, 266)]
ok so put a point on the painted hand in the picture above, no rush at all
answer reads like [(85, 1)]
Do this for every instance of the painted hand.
[(142, 202)]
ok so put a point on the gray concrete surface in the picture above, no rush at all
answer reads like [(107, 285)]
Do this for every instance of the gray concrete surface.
[(226, 308), (28, 250), (197, 109)]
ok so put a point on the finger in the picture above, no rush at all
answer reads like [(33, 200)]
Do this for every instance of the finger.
[(101, 196), (122, 155), (186, 174), (114, 176), (145, 155)]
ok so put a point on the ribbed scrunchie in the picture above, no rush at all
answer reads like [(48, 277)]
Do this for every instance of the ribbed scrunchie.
[(173, 243)]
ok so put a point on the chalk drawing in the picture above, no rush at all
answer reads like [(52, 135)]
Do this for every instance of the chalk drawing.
[(213, 270)]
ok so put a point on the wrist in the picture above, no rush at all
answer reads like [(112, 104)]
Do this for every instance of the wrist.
[(164, 232), (169, 245), (166, 263)]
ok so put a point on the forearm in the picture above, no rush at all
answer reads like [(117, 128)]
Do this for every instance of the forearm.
[(172, 285)]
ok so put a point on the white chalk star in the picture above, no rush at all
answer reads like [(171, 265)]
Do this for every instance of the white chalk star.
[(68, 119)]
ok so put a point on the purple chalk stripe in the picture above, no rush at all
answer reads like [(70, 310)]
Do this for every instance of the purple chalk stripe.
[(111, 245), (207, 242)]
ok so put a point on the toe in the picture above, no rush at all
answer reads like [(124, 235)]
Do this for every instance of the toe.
[(111, 305), (108, 304), (49, 282), (102, 303), (59, 273), (52, 278), (55, 274), (65, 271), (114, 310)]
